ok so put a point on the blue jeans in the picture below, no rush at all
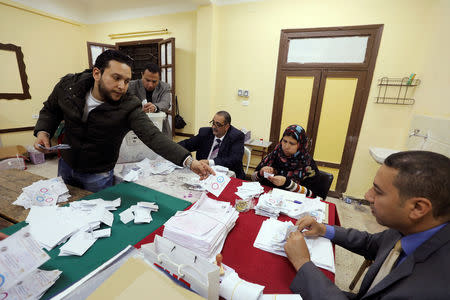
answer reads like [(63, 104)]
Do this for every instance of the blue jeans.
[(93, 182)]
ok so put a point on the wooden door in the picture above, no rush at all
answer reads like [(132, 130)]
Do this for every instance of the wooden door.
[(326, 93), (166, 60)]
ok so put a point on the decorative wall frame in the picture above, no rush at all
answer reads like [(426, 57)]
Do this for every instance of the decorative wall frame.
[(23, 75)]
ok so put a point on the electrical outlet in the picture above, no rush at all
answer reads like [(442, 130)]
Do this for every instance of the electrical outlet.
[(35, 116), (246, 93), (245, 103), (240, 93)]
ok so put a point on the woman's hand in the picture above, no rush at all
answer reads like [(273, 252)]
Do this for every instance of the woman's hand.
[(266, 169), (277, 180)]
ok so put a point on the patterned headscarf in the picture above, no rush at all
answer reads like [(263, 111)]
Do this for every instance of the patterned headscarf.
[(296, 167)]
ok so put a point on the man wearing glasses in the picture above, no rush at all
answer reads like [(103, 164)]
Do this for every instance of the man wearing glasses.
[(155, 95), (221, 144)]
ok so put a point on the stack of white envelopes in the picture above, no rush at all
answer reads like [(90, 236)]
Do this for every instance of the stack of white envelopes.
[(203, 228), (272, 237), (43, 193), (140, 213)]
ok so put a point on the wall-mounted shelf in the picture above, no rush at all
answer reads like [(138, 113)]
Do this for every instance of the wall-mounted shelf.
[(395, 90)]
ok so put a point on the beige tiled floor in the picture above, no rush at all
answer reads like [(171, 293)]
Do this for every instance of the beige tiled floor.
[(350, 215)]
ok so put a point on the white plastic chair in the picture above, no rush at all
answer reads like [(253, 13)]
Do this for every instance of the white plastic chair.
[(247, 152)]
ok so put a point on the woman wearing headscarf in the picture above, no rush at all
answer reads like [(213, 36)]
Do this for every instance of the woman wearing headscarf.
[(289, 164)]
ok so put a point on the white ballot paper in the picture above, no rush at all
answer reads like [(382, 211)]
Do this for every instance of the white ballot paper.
[(272, 237), (20, 254), (216, 184)]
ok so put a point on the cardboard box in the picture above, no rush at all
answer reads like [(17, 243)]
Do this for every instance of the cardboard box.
[(12, 151)]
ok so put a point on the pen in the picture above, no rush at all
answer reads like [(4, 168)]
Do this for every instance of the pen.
[(295, 201)]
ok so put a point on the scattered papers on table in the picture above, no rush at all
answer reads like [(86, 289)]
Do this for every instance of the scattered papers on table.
[(249, 190), (272, 237), (203, 228), (20, 257), (233, 287), (43, 193), (52, 225), (146, 167), (216, 184), (140, 213)]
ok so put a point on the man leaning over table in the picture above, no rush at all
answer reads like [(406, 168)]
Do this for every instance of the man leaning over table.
[(411, 196), (98, 112), (221, 144)]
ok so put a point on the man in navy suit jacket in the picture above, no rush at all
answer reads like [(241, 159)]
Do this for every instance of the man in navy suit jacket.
[(221, 144), (411, 196)]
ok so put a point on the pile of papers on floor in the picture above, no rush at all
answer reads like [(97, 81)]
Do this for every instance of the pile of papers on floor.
[(52, 225), (140, 213), (249, 190), (272, 237), (146, 167), (203, 228), (19, 261), (43, 193)]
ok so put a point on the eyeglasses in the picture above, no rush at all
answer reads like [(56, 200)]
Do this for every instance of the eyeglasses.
[(217, 124)]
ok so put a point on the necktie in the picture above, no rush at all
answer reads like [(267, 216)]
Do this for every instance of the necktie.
[(388, 263), (215, 150)]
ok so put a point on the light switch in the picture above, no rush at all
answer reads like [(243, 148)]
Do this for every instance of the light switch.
[(246, 93), (240, 93)]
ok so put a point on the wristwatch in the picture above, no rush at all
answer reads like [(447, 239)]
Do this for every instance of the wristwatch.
[(188, 161)]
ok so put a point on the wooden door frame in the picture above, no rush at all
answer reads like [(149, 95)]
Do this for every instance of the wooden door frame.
[(374, 33)]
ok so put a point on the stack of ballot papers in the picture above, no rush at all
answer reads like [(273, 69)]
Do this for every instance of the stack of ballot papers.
[(272, 237), (203, 228), (43, 193), (20, 258), (148, 167), (52, 225), (249, 190), (268, 206), (140, 213), (297, 205)]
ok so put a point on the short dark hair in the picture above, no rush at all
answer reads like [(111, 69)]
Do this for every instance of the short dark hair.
[(226, 115), (153, 68), (102, 61), (423, 174)]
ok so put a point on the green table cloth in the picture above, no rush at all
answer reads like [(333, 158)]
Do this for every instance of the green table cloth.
[(76, 267)]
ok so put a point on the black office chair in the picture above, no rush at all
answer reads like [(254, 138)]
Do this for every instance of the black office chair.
[(320, 184)]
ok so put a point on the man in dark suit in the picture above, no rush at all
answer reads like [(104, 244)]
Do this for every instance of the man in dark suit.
[(221, 144), (411, 196)]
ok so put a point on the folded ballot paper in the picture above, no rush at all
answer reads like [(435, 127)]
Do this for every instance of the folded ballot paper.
[(140, 213), (272, 237), (20, 258), (203, 228), (249, 190), (77, 224), (43, 193)]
